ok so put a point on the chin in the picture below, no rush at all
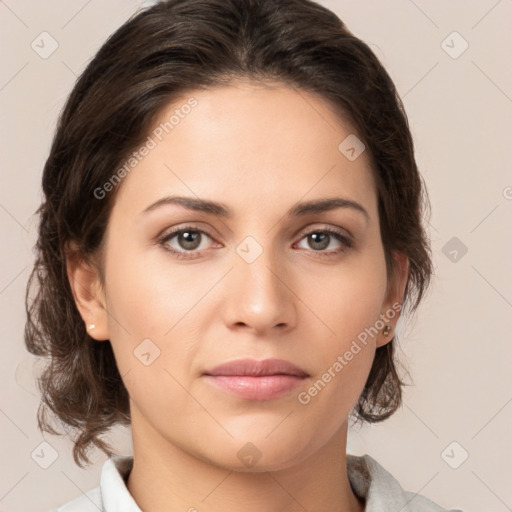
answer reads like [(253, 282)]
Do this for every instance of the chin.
[(258, 453)]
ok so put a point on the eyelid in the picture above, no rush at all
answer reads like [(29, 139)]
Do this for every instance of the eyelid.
[(169, 233), (326, 227), (192, 226)]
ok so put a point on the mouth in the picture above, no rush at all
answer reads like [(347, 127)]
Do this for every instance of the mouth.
[(256, 380)]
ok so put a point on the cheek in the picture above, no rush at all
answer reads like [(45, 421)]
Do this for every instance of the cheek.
[(350, 298), (149, 293), (348, 304), (344, 354), (151, 304)]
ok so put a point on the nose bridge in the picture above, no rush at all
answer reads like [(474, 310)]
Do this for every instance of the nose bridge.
[(261, 298), (257, 263)]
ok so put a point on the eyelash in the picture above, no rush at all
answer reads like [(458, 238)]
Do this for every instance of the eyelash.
[(164, 239)]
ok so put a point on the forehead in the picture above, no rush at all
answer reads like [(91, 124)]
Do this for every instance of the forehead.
[(248, 144)]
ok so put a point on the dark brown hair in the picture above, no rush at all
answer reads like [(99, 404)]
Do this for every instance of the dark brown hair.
[(158, 55)]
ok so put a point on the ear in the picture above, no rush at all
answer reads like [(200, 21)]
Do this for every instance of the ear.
[(392, 306), (85, 283)]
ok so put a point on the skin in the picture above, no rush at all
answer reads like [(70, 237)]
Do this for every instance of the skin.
[(259, 149)]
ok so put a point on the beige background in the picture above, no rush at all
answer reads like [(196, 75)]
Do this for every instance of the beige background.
[(457, 348)]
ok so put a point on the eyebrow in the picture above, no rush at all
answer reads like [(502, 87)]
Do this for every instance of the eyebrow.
[(220, 209)]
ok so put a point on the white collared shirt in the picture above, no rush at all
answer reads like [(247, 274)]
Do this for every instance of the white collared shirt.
[(369, 480)]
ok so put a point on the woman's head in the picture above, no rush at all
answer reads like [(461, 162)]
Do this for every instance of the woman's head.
[(265, 107)]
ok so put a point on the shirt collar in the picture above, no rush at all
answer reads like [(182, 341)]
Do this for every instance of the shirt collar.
[(376, 486), (379, 490), (114, 493)]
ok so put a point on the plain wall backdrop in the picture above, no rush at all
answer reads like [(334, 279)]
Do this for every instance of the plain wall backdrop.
[(451, 64)]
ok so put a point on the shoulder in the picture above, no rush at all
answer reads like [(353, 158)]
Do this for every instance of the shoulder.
[(381, 491), (111, 495)]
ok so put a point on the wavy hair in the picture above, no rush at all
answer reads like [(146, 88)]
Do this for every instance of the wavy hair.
[(156, 56)]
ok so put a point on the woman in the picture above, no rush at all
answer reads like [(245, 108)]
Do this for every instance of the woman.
[(230, 232)]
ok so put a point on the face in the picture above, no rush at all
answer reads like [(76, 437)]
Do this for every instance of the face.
[(187, 290)]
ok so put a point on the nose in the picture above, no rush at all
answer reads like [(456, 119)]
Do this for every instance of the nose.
[(259, 294)]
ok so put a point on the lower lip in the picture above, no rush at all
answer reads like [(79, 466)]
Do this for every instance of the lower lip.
[(266, 387)]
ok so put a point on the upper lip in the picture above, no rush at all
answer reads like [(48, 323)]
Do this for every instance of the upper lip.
[(255, 368)]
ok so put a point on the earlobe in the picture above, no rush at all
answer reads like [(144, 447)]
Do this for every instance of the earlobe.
[(85, 283)]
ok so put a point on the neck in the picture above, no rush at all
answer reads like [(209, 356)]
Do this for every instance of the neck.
[(166, 477)]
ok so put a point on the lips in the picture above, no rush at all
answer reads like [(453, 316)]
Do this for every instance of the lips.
[(256, 380), (254, 368)]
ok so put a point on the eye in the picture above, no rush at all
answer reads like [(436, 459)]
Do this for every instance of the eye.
[(185, 242), (188, 239), (321, 239)]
